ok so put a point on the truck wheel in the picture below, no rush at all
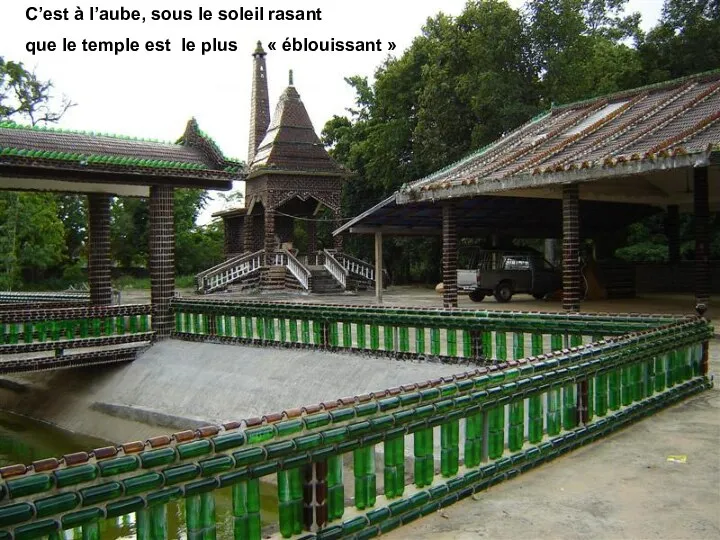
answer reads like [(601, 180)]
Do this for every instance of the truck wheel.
[(539, 296), (503, 292), (476, 296)]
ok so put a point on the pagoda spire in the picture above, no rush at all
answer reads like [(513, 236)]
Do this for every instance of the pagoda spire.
[(259, 102)]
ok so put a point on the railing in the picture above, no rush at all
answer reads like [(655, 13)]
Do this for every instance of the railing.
[(296, 268), (337, 271), (75, 336), (491, 423), (223, 274), (356, 266), (20, 299), (452, 334), (30, 297)]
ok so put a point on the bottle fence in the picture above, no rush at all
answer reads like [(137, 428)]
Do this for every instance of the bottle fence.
[(363, 465)]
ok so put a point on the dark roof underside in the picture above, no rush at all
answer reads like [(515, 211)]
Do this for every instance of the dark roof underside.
[(514, 216)]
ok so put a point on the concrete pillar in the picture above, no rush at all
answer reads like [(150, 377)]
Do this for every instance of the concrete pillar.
[(672, 231), (162, 258), (270, 244), (449, 258), (378, 267), (571, 248), (702, 239), (550, 250), (99, 249)]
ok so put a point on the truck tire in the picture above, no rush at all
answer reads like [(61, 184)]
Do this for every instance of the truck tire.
[(503, 292), (476, 296), (539, 296)]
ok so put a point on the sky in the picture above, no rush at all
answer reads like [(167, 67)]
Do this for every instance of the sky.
[(154, 94)]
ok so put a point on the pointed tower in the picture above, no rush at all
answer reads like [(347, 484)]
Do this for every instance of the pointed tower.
[(259, 103)]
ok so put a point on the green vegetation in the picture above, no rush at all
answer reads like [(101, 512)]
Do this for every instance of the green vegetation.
[(43, 235), (466, 80)]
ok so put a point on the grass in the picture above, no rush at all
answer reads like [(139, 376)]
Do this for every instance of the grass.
[(129, 282)]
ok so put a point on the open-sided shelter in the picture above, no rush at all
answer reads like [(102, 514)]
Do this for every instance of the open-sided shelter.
[(575, 171)]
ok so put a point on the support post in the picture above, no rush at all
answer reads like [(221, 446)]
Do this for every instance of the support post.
[(338, 239), (449, 259), (702, 240), (270, 244), (162, 258), (99, 249), (312, 242), (571, 248), (249, 232), (378, 267), (672, 231)]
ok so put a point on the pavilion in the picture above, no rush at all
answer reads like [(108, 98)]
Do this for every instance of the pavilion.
[(105, 166), (575, 172)]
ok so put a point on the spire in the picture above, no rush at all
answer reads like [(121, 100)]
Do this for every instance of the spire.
[(290, 78), (291, 143), (259, 103)]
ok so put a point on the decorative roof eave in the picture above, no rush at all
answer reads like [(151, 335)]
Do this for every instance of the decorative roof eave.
[(115, 173), (357, 219), (230, 212), (585, 172), (261, 171)]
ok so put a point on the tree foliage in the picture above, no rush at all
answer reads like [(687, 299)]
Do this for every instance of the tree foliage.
[(466, 80), (24, 96)]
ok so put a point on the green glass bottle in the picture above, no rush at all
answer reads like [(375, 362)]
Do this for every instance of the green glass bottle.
[(554, 398), (535, 418)]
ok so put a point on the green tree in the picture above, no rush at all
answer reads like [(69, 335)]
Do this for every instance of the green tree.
[(33, 236), (24, 96), (580, 48), (685, 41), (196, 248)]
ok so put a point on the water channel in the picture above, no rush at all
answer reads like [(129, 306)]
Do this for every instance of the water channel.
[(23, 440)]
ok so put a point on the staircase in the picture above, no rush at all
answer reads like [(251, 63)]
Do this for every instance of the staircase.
[(322, 281), (331, 273)]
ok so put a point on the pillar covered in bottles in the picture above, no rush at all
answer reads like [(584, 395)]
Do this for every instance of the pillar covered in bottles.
[(571, 248), (702, 239), (162, 257), (270, 242), (99, 249), (449, 258)]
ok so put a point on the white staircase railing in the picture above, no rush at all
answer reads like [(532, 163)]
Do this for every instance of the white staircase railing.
[(337, 271), (297, 269), (223, 274), (356, 266)]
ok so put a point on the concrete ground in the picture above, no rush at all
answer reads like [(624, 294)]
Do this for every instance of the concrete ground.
[(625, 486), (408, 295)]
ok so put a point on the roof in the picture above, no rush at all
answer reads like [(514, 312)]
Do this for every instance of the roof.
[(51, 153), (665, 126), (652, 135), (230, 212), (291, 144)]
